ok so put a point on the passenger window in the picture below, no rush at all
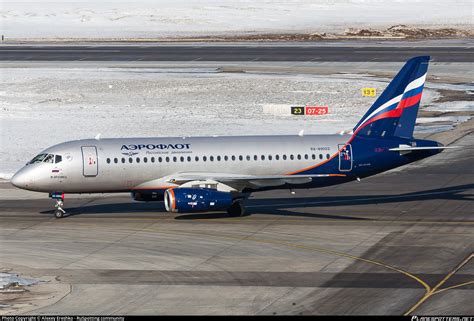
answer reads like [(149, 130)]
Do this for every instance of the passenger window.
[(123, 160), (189, 158), (58, 159), (152, 159), (175, 159), (328, 156), (299, 156), (320, 156), (218, 158), (211, 158), (204, 158), (167, 159), (241, 157), (130, 160), (181, 159), (255, 157), (263, 157), (292, 157), (115, 160), (160, 159), (145, 160), (305, 156), (248, 157), (277, 157), (233, 157), (226, 158), (49, 159), (196, 159), (270, 157), (314, 156), (138, 159), (284, 157), (108, 160)]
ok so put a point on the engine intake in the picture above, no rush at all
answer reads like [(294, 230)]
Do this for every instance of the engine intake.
[(188, 200)]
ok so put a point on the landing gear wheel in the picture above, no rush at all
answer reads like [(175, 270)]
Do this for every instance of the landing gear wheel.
[(237, 209), (59, 199), (58, 213)]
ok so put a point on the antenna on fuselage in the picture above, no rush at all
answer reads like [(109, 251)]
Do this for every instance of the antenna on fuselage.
[(97, 137), (301, 133)]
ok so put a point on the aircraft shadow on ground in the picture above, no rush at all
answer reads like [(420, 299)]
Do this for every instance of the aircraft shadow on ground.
[(280, 206)]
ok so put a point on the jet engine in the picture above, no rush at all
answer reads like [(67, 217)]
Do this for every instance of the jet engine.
[(187, 200)]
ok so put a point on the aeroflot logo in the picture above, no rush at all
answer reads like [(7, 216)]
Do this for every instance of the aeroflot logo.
[(153, 146)]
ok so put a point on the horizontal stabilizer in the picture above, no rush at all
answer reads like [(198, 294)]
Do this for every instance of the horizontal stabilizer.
[(404, 149)]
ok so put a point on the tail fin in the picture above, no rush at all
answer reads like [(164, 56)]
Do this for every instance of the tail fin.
[(394, 112)]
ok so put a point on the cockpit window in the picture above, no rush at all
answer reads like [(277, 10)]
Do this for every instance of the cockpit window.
[(38, 159), (49, 159), (46, 158)]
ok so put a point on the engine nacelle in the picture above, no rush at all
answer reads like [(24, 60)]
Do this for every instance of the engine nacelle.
[(187, 200), (148, 195)]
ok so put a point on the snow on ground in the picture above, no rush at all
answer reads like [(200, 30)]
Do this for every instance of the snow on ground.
[(42, 106), (164, 18), (452, 119), (9, 279), (453, 106)]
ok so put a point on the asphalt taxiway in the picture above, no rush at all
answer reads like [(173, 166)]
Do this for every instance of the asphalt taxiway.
[(401, 242), (313, 52)]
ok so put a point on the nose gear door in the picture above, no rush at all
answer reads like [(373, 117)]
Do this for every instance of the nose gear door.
[(90, 166), (345, 157)]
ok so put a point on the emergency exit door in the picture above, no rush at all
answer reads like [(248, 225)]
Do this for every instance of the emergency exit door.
[(345, 158), (90, 167)]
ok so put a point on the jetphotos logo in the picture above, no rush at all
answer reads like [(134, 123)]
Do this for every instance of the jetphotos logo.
[(134, 149)]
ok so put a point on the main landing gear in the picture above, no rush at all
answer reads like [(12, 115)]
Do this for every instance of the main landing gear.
[(237, 209), (59, 198)]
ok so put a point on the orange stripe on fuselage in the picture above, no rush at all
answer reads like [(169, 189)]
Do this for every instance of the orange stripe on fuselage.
[(322, 163)]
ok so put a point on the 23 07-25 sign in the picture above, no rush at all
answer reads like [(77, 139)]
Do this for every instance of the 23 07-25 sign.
[(310, 110)]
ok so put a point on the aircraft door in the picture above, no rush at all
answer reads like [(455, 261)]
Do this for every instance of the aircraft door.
[(345, 157), (90, 165)]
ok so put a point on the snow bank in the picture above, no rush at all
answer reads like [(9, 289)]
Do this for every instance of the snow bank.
[(171, 18), (9, 279)]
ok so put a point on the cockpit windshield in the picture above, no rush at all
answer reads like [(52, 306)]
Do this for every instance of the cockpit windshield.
[(38, 159), (46, 158), (49, 159)]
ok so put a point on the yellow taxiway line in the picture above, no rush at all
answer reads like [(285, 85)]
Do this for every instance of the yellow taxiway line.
[(435, 290)]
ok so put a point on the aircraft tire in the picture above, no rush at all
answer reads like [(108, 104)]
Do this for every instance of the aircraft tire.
[(58, 214), (237, 209)]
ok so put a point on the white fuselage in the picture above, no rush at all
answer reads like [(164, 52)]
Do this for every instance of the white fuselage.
[(116, 165)]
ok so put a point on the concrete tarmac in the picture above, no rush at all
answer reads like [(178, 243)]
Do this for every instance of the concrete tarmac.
[(354, 52), (401, 242)]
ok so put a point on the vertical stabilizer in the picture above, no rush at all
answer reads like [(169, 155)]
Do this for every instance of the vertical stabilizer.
[(394, 113)]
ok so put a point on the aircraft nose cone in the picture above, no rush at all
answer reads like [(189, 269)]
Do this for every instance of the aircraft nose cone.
[(21, 179), (18, 180)]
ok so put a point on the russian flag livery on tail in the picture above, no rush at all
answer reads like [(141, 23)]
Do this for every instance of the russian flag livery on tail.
[(394, 112)]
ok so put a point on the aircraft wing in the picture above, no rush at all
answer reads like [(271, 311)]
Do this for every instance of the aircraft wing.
[(239, 182)]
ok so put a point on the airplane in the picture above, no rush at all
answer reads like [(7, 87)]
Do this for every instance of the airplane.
[(203, 174)]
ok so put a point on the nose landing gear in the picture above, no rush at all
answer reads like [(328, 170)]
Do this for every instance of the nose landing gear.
[(59, 198)]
